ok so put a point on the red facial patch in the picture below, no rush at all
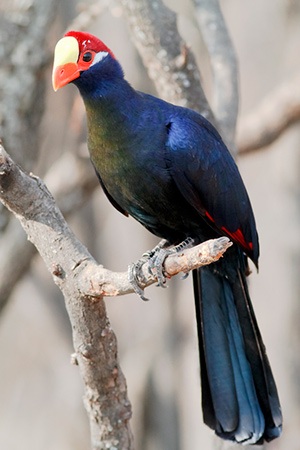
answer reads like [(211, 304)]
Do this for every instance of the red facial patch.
[(87, 42)]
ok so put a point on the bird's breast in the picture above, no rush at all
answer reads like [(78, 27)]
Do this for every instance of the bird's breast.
[(141, 184)]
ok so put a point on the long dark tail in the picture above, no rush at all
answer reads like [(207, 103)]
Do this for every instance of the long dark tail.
[(239, 395)]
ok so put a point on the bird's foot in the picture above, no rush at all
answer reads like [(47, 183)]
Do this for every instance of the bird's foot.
[(135, 275), (155, 259)]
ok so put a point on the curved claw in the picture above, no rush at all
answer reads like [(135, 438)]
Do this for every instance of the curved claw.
[(133, 274), (184, 276), (156, 263)]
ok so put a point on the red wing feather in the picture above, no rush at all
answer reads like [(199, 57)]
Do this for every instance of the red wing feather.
[(237, 236)]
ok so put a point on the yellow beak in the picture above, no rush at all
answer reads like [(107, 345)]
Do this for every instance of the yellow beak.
[(65, 67)]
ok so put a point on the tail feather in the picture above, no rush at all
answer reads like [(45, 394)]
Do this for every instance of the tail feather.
[(256, 353), (239, 396)]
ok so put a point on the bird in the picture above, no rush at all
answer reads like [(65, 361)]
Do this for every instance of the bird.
[(168, 167)]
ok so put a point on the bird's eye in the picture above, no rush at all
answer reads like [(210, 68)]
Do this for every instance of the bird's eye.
[(87, 57)]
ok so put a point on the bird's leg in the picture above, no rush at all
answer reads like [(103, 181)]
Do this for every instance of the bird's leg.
[(163, 244), (156, 260), (135, 269)]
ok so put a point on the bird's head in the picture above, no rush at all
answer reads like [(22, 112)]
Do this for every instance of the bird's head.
[(74, 55)]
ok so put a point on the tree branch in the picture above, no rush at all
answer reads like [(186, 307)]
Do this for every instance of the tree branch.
[(95, 283), (94, 342), (22, 97), (87, 15), (70, 194), (170, 63), (16, 255), (21, 75), (84, 283), (278, 111), (223, 64)]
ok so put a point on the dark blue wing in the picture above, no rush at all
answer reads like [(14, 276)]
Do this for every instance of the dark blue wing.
[(208, 178)]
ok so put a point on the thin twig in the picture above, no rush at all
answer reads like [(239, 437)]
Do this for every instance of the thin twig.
[(278, 111)]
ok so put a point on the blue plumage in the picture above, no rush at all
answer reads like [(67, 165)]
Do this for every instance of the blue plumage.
[(168, 167)]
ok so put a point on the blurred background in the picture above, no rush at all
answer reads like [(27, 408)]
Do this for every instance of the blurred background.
[(40, 391)]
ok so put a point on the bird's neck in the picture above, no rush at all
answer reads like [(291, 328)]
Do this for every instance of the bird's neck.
[(112, 115)]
